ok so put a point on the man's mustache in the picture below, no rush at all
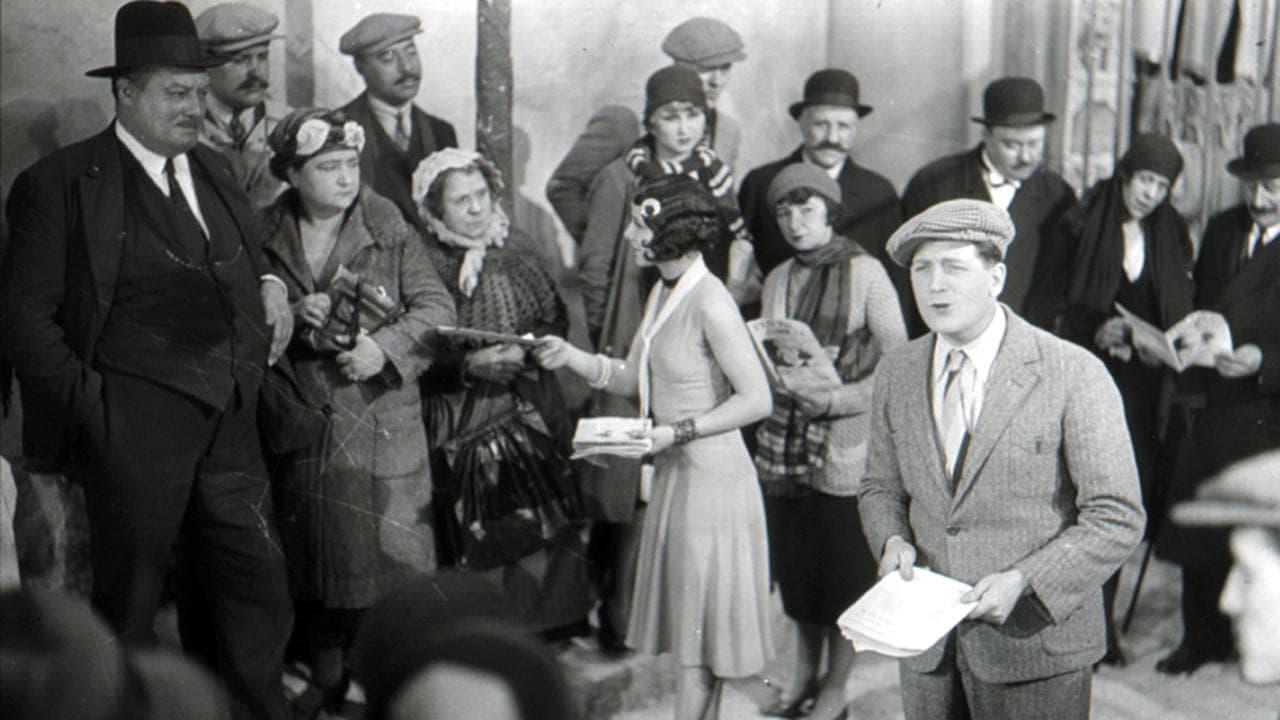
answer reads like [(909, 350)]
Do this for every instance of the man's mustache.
[(408, 78), (825, 145), (254, 83)]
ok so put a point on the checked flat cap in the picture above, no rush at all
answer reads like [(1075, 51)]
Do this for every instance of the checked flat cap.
[(964, 220)]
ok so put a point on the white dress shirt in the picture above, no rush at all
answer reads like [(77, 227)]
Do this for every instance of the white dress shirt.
[(390, 116), (153, 164), (982, 352), (1256, 243), (1000, 188)]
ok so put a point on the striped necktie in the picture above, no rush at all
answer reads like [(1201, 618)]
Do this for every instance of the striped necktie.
[(956, 399)]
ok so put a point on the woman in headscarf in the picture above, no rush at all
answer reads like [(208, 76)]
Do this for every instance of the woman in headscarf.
[(507, 502), (701, 590), (352, 508), (613, 293), (810, 453), (1125, 244)]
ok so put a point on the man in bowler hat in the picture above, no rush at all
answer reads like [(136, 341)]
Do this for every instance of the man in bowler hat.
[(1237, 274), (400, 134), (1006, 169), (828, 116), (708, 46), (239, 116), (998, 455), (137, 318)]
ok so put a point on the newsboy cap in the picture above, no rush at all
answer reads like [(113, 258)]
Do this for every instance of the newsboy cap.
[(704, 41), (231, 27), (973, 221), (1245, 493), (377, 32), (803, 175)]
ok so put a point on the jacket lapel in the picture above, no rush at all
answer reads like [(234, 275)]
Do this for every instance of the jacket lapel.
[(283, 243), (973, 184), (1260, 269), (924, 435), (102, 215), (1013, 375), (353, 238)]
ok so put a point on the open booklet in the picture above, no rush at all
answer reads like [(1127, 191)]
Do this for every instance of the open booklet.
[(611, 436), (901, 618), (792, 355), (1194, 340)]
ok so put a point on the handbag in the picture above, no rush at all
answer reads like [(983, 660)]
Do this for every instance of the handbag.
[(357, 307)]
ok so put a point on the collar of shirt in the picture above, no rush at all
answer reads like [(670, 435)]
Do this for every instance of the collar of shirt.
[(222, 114), (1269, 234), (993, 177), (388, 115), (833, 171), (153, 164), (982, 352)]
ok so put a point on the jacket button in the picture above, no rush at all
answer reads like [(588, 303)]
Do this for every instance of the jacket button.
[(953, 530)]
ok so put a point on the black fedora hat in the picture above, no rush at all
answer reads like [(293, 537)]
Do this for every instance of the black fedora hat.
[(1261, 159), (831, 87), (1014, 102), (156, 34)]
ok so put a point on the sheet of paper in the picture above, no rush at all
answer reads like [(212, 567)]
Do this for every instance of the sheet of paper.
[(611, 436), (901, 618), (1200, 337), (1152, 339)]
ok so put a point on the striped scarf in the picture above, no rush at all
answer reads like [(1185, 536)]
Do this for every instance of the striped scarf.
[(702, 165)]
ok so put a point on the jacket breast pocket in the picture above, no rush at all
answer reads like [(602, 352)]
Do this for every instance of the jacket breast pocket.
[(400, 441), (1034, 453)]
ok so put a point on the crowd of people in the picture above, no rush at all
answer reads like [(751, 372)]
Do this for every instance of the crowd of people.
[(308, 373)]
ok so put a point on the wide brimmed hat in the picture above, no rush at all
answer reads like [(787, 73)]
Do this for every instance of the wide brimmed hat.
[(1261, 159), (831, 86), (1014, 102), (156, 34)]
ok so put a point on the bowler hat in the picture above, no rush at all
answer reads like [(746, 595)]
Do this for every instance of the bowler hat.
[(831, 87), (1014, 102), (156, 34), (1261, 159)]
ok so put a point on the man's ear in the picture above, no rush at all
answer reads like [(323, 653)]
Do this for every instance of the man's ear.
[(999, 273)]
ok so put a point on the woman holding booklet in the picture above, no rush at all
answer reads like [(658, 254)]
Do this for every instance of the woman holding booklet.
[(1124, 244), (702, 586), (811, 452), (506, 502)]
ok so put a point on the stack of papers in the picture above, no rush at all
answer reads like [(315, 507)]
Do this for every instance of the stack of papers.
[(612, 436), (901, 618)]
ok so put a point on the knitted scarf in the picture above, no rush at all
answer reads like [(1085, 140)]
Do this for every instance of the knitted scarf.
[(473, 260)]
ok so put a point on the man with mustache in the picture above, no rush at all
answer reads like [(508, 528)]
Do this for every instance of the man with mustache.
[(1237, 274), (828, 117), (400, 134), (135, 314), (708, 46), (1006, 169), (239, 117)]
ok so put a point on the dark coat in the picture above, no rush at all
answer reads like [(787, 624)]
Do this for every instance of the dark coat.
[(1036, 208), (360, 525), (871, 213), (57, 283), (1241, 417), (391, 176)]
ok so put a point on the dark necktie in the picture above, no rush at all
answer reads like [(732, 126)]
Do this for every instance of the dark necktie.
[(179, 198), (402, 131), (1252, 243), (235, 128)]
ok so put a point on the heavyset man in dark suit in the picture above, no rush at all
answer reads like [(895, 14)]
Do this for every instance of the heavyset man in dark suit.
[(1238, 275), (138, 323), (828, 117), (1006, 169), (999, 456), (400, 133)]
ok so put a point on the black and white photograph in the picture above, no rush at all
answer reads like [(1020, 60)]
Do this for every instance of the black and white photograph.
[(304, 306)]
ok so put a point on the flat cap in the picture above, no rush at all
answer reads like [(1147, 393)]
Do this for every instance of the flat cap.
[(704, 41), (1245, 493), (232, 27), (964, 220), (378, 31), (803, 175)]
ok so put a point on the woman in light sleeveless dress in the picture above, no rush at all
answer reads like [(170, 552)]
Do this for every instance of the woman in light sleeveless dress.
[(701, 590)]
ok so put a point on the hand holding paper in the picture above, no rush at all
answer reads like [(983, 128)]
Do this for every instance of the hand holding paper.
[(901, 618)]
